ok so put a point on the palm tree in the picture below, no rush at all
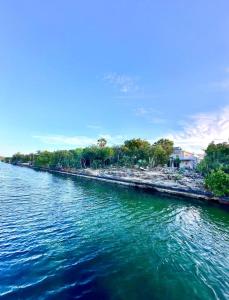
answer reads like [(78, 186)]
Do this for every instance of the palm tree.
[(102, 142)]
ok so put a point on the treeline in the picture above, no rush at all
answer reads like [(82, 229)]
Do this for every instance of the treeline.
[(215, 168), (134, 152)]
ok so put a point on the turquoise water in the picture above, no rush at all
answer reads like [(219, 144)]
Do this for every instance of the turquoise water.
[(68, 238)]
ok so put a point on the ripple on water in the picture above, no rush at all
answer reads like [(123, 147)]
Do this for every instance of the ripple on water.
[(65, 238)]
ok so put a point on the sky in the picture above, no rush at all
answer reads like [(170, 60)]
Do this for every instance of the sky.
[(72, 71)]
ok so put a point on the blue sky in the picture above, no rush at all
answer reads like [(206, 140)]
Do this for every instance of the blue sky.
[(72, 71)]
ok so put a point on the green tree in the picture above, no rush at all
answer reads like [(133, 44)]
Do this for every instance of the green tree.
[(158, 156), (133, 151), (136, 149), (218, 183), (104, 155), (42, 159), (21, 158), (102, 142), (118, 153), (89, 154), (215, 168), (77, 157), (216, 157), (166, 144)]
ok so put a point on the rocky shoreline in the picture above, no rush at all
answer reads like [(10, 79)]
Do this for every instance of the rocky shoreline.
[(185, 183)]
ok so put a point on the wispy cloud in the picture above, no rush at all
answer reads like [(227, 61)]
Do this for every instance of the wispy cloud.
[(77, 141), (128, 87), (222, 85), (122, 82), (94, 126), (201, 129), (138, 95), (150, 115), (197, 132)]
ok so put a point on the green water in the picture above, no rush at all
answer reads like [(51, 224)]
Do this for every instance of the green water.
[(69, 238)]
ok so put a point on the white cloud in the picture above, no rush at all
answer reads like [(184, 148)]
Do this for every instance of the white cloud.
[(93, 126), (122, 82), (201, 129), (141, 111), (151, 115), (77, 141)]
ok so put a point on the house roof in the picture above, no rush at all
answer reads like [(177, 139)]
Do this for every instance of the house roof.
[(187, 158)]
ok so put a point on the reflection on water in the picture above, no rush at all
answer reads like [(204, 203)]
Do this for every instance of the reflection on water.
[(68, 238)]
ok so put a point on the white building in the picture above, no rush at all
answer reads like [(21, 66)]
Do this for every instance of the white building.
[(182, 159)]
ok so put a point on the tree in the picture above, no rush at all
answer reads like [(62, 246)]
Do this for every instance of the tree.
[(61, 159), (104, 154), (77, 156), (88, 155), (215, 168), (118, 152), (158, 156), (136, 149), (216, 157), (43, 159), (218, 183), (133, 151), (21, 158), (102, 142), (166, 144)]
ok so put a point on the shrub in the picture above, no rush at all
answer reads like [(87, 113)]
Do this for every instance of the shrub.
[(218, 182)]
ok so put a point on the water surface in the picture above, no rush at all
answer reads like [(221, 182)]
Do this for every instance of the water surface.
[(69, 238)]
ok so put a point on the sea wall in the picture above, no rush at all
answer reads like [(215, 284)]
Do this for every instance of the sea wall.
[(182, 192)]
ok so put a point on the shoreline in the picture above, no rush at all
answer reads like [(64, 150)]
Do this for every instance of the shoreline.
[(141, 184)]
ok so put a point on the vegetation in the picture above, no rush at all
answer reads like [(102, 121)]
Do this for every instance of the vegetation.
[(215, 168), (216, 157), (218, 182), (134, 152)]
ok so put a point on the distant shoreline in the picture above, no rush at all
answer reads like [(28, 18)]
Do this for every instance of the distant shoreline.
[(165, 189)]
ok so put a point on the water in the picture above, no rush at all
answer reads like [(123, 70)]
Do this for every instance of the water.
[(69, 238)]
